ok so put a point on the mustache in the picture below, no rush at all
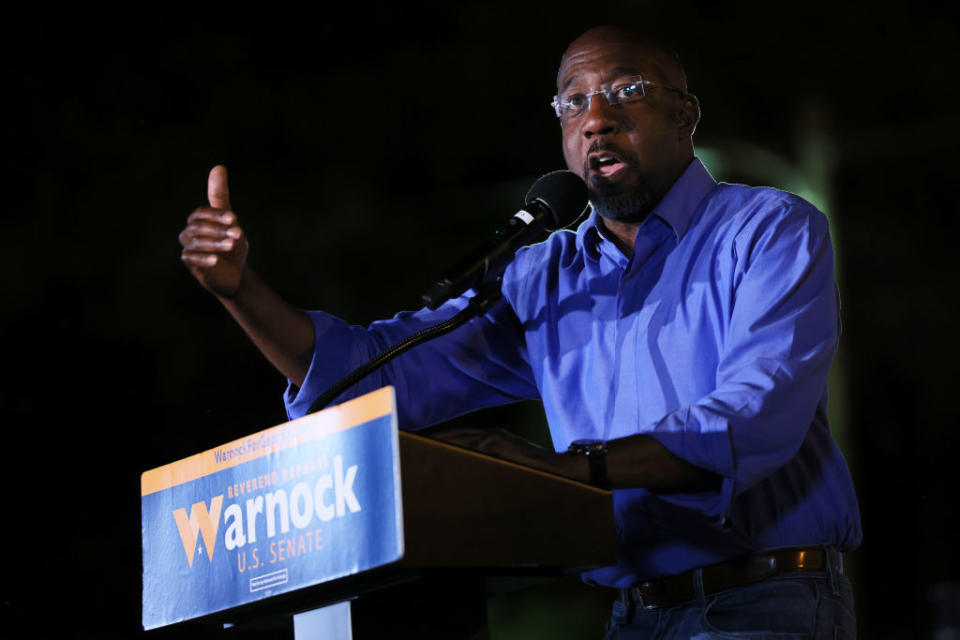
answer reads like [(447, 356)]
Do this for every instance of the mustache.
[(605, 145)]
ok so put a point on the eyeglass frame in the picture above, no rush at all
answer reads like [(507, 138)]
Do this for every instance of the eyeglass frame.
[(612, 100)]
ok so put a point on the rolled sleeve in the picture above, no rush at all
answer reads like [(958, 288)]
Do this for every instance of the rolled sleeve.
[(478, 365), (774, 357)]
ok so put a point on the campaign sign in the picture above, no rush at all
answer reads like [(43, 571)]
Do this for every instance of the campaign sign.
[(296, 505)]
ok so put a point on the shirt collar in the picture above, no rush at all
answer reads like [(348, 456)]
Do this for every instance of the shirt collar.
[(684, 197), (676, 208)]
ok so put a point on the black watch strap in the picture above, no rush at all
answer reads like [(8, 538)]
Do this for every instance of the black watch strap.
[(596, 453)]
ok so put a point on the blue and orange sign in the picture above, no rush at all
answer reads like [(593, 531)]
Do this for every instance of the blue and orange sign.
[(296, 505)]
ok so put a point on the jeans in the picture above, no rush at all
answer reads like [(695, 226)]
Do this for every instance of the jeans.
[(811, 605)]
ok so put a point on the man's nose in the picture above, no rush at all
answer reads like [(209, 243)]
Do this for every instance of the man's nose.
[(601, 118)]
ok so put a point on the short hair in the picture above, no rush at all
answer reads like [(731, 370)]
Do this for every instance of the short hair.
[(664, 56)]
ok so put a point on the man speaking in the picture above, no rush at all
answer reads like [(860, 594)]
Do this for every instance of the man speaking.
[(680, 342)]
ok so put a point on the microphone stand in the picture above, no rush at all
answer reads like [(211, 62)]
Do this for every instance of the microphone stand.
[(488, 294)]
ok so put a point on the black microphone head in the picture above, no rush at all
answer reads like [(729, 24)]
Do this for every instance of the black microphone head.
[(563, 194)]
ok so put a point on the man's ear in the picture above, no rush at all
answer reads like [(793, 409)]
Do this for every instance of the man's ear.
[(689, 115)]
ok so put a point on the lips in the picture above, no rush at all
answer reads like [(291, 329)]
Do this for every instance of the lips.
[(606, 164), (605, 161)]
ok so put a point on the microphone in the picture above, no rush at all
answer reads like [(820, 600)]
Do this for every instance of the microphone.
[(554, 201)]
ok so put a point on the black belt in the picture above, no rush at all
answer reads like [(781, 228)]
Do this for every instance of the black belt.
[(672, 590)]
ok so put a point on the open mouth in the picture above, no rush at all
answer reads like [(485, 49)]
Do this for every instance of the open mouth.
[(606, 164)]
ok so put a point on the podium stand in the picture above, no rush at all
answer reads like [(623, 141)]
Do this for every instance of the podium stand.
[(371, 513)]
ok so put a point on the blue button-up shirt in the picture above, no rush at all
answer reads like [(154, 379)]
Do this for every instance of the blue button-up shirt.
[(715, 337)]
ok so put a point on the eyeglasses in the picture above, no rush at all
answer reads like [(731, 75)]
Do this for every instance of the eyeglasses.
[(625, 91)]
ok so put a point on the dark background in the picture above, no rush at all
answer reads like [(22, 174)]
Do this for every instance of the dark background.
[(370, 146)]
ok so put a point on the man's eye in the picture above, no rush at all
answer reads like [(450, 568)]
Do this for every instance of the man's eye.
[(576, 102), (629, 91)]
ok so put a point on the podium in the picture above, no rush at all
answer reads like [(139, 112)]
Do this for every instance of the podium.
[(341, 507)]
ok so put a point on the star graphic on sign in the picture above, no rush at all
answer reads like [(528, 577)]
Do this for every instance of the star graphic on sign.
[(199, 549)]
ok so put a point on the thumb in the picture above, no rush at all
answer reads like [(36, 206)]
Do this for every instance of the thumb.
[(218, 193)]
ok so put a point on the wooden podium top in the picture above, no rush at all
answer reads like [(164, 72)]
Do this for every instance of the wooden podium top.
[(467, 509)]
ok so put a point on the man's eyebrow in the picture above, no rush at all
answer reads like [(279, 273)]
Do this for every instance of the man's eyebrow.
[(616, 72), (624, 71), (567, 83)]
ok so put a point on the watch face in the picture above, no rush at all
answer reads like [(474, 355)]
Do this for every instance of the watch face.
[(595, 451), (587, 447)]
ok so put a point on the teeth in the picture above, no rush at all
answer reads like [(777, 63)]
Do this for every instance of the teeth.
[(598, 161)]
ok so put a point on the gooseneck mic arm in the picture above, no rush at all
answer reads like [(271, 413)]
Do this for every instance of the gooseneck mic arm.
[(554, 201), (486, 297)]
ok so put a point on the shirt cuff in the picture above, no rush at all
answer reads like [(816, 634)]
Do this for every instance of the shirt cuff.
[(338, 357), (707, 449)]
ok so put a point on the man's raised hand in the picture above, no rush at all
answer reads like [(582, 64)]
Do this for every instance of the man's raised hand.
[(214, 247)]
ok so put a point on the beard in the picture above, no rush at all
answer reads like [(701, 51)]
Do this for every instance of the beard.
[(614, 202), (629, 200)]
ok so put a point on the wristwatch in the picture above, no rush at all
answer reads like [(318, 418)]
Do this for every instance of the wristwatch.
[(596, 453)]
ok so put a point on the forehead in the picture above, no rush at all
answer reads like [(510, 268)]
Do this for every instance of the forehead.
[(597, 62)]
